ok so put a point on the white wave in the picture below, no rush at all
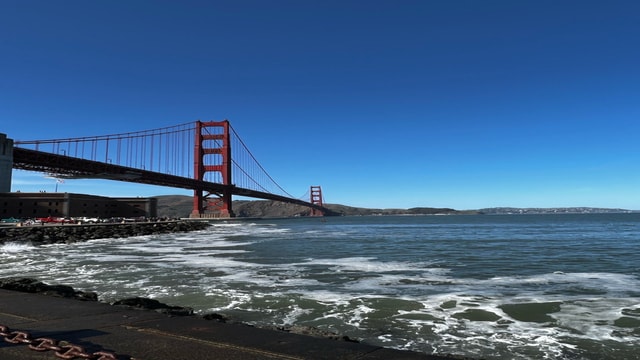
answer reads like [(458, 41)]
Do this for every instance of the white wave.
[(256, 275), (293, 313), (234, 229), (101, 258), (13, 247), (609, 282), (232, 299), (229, 225), (328, 297), (595, 318), (364, 264)]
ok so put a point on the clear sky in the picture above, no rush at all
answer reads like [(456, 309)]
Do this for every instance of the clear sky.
[(392, 104)]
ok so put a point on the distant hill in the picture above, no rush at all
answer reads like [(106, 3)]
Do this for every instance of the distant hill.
[(181, 206), (174, 206), (348, 210)]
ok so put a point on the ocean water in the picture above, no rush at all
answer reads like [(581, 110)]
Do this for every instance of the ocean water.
[(493, 287)]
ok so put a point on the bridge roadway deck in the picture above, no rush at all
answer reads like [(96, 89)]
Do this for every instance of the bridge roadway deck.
[(67, 166), (148, 335)]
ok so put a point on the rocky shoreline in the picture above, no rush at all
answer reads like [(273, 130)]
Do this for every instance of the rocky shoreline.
[(51, 234), (30, 285)]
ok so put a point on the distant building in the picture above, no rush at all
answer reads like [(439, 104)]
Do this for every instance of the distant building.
[(43, 204)]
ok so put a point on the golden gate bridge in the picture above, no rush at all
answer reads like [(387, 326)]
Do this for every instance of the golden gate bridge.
[(207, 157)]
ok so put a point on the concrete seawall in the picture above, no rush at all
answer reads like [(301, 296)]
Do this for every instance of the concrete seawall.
[(50, 234)]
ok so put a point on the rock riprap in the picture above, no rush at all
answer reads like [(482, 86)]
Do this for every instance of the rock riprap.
[(40, 235)]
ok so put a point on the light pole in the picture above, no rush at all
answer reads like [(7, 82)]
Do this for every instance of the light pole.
[(58, 181)]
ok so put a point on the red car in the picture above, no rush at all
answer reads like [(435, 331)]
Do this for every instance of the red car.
[(58, 220)]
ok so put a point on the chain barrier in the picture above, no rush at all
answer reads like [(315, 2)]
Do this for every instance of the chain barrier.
[(61, 349)]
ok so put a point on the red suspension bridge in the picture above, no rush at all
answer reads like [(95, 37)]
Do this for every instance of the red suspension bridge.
[(206, 157)]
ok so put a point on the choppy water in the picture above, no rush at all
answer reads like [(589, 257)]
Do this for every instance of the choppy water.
[(497, 287)]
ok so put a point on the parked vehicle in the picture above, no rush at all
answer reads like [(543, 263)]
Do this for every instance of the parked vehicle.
[(88, 220), (11, 220), (56, 220)]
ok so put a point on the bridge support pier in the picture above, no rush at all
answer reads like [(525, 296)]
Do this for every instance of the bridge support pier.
[(6, 163), (218, 144), (316, 199)]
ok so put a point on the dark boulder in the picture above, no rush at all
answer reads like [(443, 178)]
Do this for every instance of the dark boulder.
[(150, 304), (215, 317), (315, 332), (35, 286)]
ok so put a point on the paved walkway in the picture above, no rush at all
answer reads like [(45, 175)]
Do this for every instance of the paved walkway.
[(148, 335)]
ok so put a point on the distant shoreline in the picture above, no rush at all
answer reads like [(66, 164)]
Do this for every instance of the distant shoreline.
[(179, 206), (561, 210)]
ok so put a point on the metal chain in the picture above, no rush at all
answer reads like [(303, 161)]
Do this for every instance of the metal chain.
[(62, 349)]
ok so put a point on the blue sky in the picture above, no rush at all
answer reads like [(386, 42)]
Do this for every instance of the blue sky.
[(391, 104)]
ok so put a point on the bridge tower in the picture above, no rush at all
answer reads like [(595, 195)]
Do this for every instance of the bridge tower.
[(215, 143), (6, 163), (316, 199)]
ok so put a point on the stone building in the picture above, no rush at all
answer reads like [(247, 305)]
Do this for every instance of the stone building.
[(32, 205)]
